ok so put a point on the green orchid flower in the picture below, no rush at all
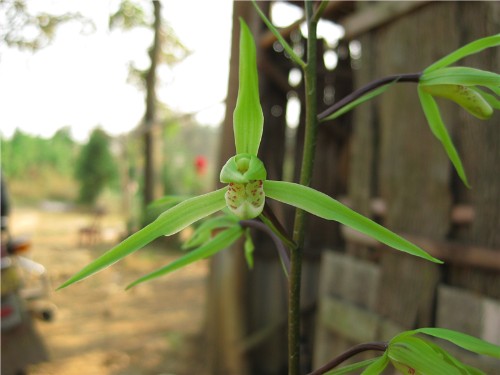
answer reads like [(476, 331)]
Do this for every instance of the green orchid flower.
[(244, 196), (463, 85), (475, 90)]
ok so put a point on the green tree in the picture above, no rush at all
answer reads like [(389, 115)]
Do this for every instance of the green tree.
[(95, 167), (61, 151)]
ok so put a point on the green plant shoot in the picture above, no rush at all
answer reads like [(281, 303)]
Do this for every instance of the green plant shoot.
[(411, 352)]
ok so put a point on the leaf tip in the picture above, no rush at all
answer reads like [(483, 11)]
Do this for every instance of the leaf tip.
[(67, 283), (130, 286)]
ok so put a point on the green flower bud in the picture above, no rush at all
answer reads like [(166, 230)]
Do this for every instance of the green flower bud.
[(465, 96)]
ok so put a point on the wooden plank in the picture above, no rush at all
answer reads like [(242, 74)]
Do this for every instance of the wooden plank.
[(355, 23), (375, 16), (476, 315), (348, 320), (451, 252), (349, 278), (354, 284), (468, 312), (460, 213), (388, 329), (459, 310)]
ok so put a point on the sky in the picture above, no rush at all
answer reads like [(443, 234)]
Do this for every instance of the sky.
[(81, 80)]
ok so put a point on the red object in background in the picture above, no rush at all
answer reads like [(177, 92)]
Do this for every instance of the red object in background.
[(200, 164)]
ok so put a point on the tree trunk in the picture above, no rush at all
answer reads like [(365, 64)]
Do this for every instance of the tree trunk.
[(152, 134)]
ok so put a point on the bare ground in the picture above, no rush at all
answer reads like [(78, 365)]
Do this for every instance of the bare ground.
[(99, 328)]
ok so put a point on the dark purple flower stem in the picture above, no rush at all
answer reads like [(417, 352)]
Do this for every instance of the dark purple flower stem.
[(409, 77), (378, 346)]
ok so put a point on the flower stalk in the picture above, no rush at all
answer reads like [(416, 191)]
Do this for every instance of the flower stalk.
[(310, 137)]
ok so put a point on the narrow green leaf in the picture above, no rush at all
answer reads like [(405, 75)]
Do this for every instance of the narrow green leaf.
[(248, 119), (168, 223), (469, 49), (278, 36), (323, 206), (378, 366), (361, 100), (352, 367), (218, 243), (467, 342), (460, 75), (439, 130)]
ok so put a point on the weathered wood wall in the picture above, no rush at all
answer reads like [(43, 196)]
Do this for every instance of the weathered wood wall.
[(395, 157)]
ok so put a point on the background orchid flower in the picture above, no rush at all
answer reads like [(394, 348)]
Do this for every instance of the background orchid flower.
[(245, 194), (463, 85), (475, 90)]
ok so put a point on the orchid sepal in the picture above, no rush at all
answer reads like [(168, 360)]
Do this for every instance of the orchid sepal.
[(248, 118)]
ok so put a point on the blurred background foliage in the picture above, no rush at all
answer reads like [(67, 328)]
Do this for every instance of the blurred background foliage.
[(61, 169), (95, 167)]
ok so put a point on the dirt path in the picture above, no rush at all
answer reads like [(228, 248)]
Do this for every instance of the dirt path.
[(101, 329)]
